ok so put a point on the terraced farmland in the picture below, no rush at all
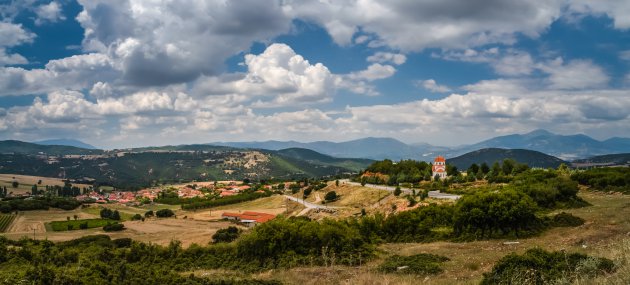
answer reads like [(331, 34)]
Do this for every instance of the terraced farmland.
[(5, 222)]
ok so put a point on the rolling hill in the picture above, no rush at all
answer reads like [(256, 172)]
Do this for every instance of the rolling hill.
[(490, 155), (146, 166), (66, 142), (355, 164), (20, 147)]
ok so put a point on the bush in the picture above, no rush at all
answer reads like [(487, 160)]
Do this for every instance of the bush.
[(114, 227), (397, 191), (421, 264), (228, 234), (331, 196), (149, 214), (496, 214), (136, 217), (164, 213), (566, 220), (537, 266)]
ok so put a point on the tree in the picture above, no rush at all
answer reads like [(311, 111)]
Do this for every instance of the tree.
[(34, 190), (451, 170), (106, 213), (508, 166), (15, 184), (337, 182), (474, 168), (397, 191), (115, 215), (136, 217), (424, 194), (436, 177), (330, 196), (76, 217), (149, 214), (164, 213), (484, 168), (228, 234)]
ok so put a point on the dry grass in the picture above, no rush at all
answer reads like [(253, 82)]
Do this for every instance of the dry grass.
[(605, 234), (27, 181)]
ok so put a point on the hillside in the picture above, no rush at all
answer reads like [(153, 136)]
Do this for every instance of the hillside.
[(66, 142), (355, 164), (616, 159), (20, 147), (147, 166), (490, 155)]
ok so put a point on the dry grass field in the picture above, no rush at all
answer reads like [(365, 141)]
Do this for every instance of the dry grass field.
[(606, 233), (27, 181)]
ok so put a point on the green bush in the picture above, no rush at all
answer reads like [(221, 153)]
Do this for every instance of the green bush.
[(330, 196), (136, 217), (420, 264), (228, 234), (164, 213), (537, 266), (566, 220), (114, 227)]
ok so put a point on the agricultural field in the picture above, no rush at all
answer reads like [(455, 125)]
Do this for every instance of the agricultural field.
[(5, 222), (27, 181), (59, 226)]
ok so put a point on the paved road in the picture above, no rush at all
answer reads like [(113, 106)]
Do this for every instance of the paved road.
[(308, 204), (432, 194)]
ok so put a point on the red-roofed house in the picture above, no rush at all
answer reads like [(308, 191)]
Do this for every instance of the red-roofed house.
[(248, 218)]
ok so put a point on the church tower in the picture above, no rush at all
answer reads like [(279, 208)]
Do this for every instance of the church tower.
[(439, 167)]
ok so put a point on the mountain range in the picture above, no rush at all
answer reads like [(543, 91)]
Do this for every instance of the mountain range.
[(566, 147)]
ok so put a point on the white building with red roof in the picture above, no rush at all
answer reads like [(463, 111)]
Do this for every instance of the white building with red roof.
[(439, 167)]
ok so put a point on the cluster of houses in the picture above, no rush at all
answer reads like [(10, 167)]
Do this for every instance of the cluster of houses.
[(225, 188)]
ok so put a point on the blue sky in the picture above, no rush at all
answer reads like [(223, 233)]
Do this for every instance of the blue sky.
[(134, 73)]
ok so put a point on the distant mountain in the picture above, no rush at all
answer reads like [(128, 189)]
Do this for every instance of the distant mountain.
[(491, 155), (20, 147), (564, 146), (66, 142), (355, 164), (370, 148)]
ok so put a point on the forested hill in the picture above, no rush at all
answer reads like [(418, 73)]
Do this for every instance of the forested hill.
[(490, 155), (617, 159), (355, 164), (142, 167), (20, 147)]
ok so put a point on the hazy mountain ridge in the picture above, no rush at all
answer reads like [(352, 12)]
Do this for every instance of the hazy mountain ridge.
[(66, 142), (566, 147)]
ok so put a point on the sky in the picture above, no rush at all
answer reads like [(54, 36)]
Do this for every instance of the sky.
[(128, 73)]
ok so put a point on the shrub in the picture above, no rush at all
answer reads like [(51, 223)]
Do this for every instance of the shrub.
[(566, 220), (331, 196), (114, 227), (421, 264), (397, 191), (136, 217), (164, 213), (149, 213), (537, 266), (228, 234), (106, 213)]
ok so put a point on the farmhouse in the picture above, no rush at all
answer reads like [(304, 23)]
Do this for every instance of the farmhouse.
[(439, 167), (248, 218)]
